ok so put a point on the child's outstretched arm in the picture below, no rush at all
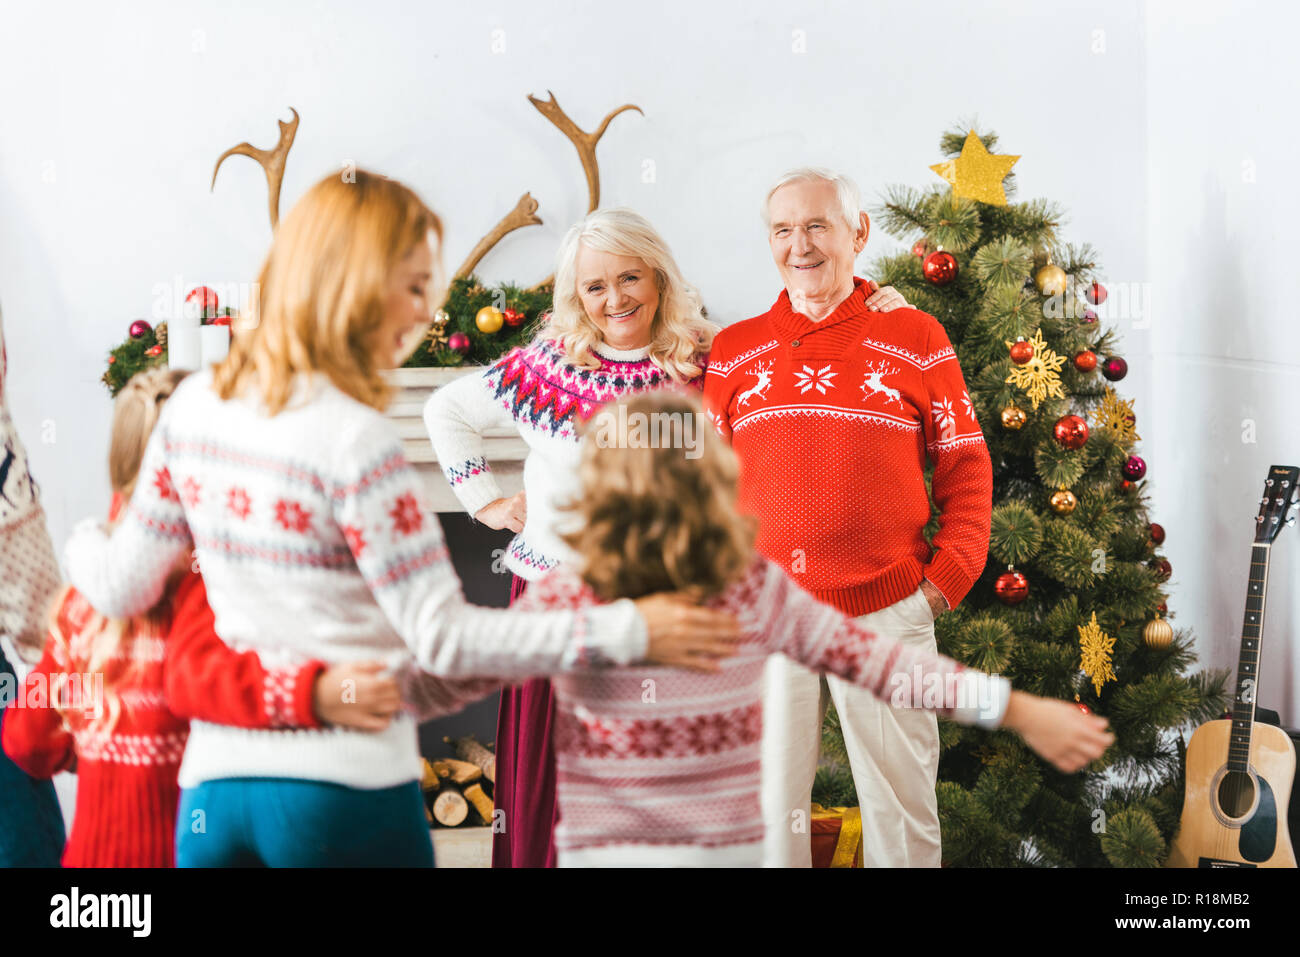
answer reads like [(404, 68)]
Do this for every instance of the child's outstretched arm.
[(824, 639), (399, 550), (124, 574), (204, 678), (34, 735)]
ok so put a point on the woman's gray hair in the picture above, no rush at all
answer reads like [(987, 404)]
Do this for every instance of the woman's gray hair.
[(846, 191)]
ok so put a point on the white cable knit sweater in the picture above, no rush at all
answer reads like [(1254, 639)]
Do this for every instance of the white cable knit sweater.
[(312, 539)]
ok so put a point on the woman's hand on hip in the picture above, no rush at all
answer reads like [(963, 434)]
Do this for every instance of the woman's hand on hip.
[(684, 635), (508, 513)]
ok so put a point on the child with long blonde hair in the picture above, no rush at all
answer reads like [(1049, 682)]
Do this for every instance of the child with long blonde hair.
[(279, 469), (660, 766), (95, 702)]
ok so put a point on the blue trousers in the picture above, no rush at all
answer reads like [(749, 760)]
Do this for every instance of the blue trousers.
[(287, 822), (31, 825)]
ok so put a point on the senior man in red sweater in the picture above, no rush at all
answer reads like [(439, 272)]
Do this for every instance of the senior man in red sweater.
[(833, 410)]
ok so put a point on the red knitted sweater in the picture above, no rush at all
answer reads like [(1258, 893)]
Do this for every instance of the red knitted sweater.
[(127, 793), (833, 422)]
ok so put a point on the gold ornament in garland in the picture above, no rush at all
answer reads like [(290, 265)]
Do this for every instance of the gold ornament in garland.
[(1013, 418), (1116, 416), (1050, 280), (437, 334), (1096, 646), (1158, 633), (977, 174), (1063, 501), (1040, 376), (489, 320)]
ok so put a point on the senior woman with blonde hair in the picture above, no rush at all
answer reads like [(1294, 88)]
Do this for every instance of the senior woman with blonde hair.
[(624, 320)]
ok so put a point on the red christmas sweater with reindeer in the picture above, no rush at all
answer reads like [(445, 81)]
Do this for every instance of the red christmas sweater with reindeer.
[(833, 422)]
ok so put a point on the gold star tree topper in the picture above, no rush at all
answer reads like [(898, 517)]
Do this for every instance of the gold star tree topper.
[(977, 174), (1116, 416), (1040, 376), (1096, 646)]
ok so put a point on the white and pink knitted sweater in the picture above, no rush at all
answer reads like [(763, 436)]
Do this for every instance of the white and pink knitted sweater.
[(314, 543), (661, 764)]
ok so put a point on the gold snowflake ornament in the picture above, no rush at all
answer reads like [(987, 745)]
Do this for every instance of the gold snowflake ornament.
[(1116, 416), (1040, 376), (1096, 646)]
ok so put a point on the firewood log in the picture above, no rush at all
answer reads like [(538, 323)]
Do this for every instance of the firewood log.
[(429, 778), (450, 808), (482, 803), (459, 773), (468, 749)]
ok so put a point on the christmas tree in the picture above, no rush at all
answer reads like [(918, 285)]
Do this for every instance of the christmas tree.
[(1070, 604)]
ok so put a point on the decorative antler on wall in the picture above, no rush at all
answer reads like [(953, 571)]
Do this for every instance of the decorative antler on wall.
[(271, 161), (523, 213), (585, 143)]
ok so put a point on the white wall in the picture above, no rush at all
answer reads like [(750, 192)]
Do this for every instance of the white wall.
[(1223, 344), (110, 123)]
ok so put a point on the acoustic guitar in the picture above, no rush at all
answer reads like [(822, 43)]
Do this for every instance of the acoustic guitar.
[(1239, 773)]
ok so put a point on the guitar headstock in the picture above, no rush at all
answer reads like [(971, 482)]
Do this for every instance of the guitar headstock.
[(1280, 494)]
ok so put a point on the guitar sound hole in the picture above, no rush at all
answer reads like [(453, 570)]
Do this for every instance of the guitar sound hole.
[(1236, 793)]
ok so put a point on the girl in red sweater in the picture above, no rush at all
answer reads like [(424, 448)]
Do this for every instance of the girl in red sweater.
[(660, 766), (96, 702)]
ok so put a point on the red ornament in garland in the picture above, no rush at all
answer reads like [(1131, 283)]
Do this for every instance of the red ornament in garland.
[(459, 343), (1157, 534), (1162, 568), (112, 359), (139, 329), (513, 317), (1089, 316), (1125, 486), (1096, 294), (1085, 361), (940, 268), (153, 351), (920, 249), (1163, 608), (1021, 351), (1081, 706), (1011, 587), (1071, 431), (1114, 368), (206, 299)]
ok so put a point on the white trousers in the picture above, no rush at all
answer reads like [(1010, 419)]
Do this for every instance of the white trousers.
[(893, 753)]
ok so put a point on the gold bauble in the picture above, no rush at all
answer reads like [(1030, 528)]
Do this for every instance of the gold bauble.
[(1063, 501), (1013, 417), (1158, 633), (1050, 280), (489, 319), (441, 318)]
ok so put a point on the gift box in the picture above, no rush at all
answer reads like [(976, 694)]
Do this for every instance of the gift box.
[(836, 836)]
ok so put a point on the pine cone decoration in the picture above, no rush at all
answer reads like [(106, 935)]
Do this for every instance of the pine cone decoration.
[(160, 333)]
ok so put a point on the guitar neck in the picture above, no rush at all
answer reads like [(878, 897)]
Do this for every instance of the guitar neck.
[(1252, 627)]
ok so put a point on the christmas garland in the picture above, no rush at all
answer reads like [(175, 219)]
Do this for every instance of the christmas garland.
[(477, 326)]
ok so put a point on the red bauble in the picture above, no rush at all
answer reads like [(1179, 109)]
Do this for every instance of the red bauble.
[(920, 249), (153, 351), (1085, 361), (1163, 608), (1021, 352), (139, 328), (1125, 486), (1114, 368), (1083, 707), (1011, 587), (1162, 568), (112, 359), (513, 317), (1134, 468), (1096, 294), (1071, 431), (1157, 534), (205, 297), (1089, 316), (459, 342), (940, 268)]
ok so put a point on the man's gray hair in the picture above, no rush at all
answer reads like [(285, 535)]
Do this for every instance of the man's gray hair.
[(846, 191)]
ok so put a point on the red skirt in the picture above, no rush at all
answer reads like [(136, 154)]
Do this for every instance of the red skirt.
[(525, 783)]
